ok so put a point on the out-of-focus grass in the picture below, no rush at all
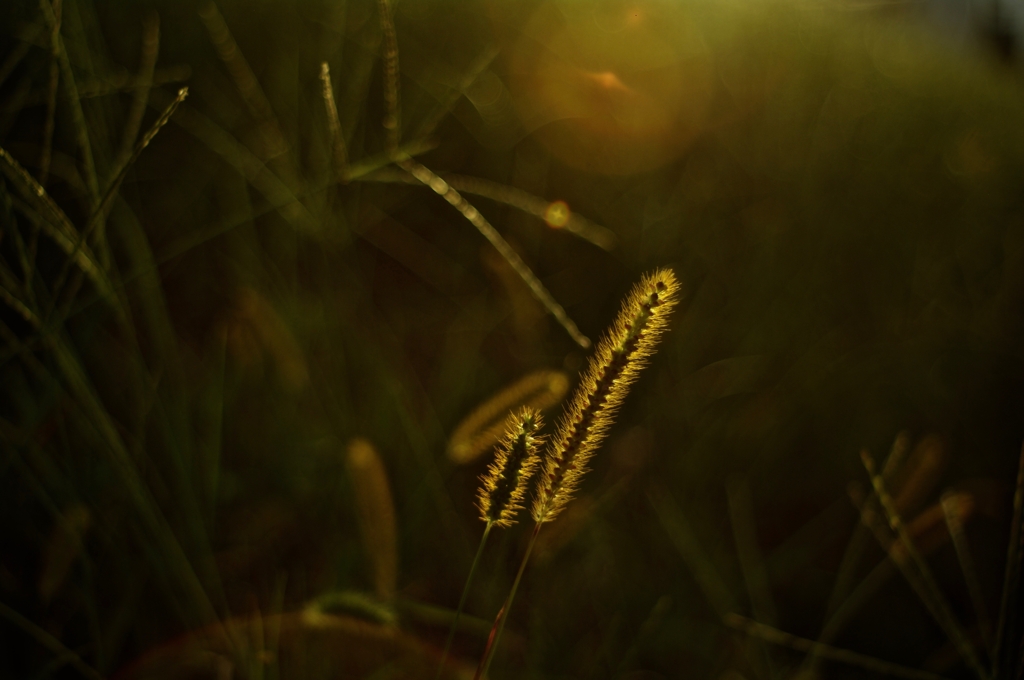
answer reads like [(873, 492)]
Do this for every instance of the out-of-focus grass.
[(841, 199)]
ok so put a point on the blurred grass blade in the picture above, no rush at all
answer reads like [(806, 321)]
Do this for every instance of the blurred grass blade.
[(25, 253), (945, 616), (920, 476), (273, 142), (168, 552), (362, 168), (540, 208), (848, 609), (75, 106), (339, 155), (393, 116), (50, 642), (20, 307), (752, 565), (254, 170), (99, 214), (953, 511), (686, 543), (896, 552), (15, 56), (861, 536), (783, 639), (51, 94), (140, 95), (44, 213), (446, 105), (1011, 577), (741, 516), (62, 548)]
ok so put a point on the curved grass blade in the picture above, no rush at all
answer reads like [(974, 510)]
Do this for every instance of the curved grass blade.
[(43, 212), (602, 237), (99, 215), (143, 83), (941, 608), (784, 639), (448, 193)]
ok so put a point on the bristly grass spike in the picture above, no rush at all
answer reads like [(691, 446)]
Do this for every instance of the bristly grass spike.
[(614, 367), (503, 488), (616, 364)]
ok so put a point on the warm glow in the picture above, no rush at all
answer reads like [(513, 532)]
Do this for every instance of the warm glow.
[(557, 214)]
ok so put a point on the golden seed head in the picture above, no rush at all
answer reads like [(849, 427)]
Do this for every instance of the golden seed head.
[(375, 510), (503, 488), (620, 355)]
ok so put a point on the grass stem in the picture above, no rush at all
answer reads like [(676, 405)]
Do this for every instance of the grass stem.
[(393, 115), (1011, 577), (499, 622), (462, 599), (954, 515), (339, 154), (51, 95)]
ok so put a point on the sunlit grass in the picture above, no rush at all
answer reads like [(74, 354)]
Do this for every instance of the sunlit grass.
[(273, 276)]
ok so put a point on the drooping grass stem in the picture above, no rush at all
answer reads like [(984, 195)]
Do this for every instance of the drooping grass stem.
[(462, 599)]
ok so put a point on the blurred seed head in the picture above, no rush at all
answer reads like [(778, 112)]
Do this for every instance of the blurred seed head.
[(375, 511), (482, 428), (255, 333)]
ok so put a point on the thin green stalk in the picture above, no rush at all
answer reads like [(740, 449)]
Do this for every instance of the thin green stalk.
[(1011, 576), (462, 599), (953, 514), (75, 106), (499, 622), (51, 96), (103, 206), (393, 117)]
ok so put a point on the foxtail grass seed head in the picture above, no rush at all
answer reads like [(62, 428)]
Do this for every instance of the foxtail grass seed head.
[(516, 457), (375, 510), (620, 355)]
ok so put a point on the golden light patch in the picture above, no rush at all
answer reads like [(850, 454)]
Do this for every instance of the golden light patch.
[(612, 88), (557, 214)]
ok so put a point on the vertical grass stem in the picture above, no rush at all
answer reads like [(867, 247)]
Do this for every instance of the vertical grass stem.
[(1011, 577), (462, 600), (499, 622)]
